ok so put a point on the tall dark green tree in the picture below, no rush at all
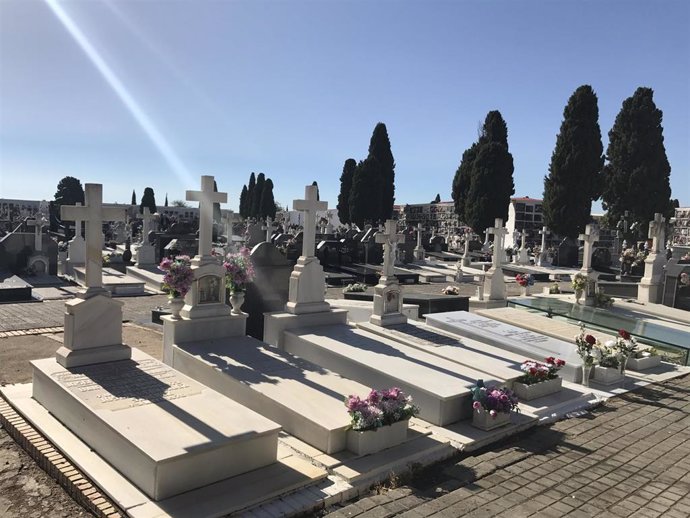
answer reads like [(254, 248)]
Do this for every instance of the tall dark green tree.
[(267, 207), (574, 178), (244, 199), (483, 183), (345, 188), (365, 192), (380, 149), (251, 187), (69, 192), (148, 200), (134, 198), (166, 200), (636, 177), (256, 196), (318, 194), (437, 199)]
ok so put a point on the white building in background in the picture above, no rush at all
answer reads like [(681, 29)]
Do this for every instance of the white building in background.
[(295, 217)]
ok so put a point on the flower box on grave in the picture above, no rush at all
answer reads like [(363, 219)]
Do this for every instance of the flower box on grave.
[(372, 441), (643, 363), (482, 419), (607, 375), (537, 390)]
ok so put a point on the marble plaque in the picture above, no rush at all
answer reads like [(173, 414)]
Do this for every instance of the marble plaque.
[(209, 289), (126, 384)]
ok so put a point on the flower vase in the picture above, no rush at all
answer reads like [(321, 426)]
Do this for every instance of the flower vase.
[(525, 291), (236, 301), (578, 296), (372, 441), (484, 421), (586, 371), (623, 364), (175, 304)]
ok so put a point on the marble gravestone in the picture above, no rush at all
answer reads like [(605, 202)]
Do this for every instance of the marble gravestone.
[(76, 247), (543, 254), (510, 338), (494, 283), (146, 253), (419, 249), (590, 237), (38, 262), (388, 299), (522, 255), (650, 288), (306, 304)]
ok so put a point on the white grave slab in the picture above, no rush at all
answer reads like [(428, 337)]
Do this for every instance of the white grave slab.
[(511, 338), (440, 387), (162, 430)]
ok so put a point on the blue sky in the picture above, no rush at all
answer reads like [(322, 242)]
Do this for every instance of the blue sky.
[(293, 89)]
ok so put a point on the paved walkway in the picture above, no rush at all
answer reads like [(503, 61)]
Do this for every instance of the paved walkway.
[(628, 458)]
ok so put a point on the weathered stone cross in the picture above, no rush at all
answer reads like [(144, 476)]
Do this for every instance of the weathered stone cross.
[(544, 232), (389, 239), (38, 222), (499, 232), (656, 232), (269, 227), (206, 198), (309, 206), (590, 237), (94, 214)]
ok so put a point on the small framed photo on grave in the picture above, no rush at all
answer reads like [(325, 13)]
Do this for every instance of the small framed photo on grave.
[(209, 289)]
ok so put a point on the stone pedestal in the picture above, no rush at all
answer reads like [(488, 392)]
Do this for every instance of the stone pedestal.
[(146, 255), (419, 253), (307, 285), (206, 298), (93, 332), (494, 284), (651, 286), (387, 305)]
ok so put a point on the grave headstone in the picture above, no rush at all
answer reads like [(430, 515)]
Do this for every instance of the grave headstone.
[(494, 283), (650, 288), (387, 295), (145, 252), (590, 236), (419, 249), (523, 255), (543, 259)]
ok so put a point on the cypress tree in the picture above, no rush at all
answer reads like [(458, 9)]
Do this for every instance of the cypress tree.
[(134, 198), (318, 195), (345, 188), (244, 196), (250, 194), (267, 206), (254, 212), (148, 200), (575, 171), (636, 177), (166, 199), (380, 149), (461, 181), (365, 192)]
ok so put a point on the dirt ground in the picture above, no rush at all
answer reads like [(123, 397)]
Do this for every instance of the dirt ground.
[(26, 491)]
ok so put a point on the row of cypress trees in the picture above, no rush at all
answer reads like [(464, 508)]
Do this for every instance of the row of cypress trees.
[(634, 175), (256, 199), (367, 188)]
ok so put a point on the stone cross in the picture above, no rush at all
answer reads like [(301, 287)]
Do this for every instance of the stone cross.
[(466, 251), (524, 237), (389, 239), (590, 236), (228, 219), (656, 232), (269, 227), (94, 214), (77, 223), (419, 235), (309, 205), (145, 224), (499, 232), (544, 232), (516, 238), (38, 222), (206, 198)]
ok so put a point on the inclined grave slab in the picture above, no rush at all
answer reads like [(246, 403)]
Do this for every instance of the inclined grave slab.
[(305, 399), (114, 407), (511, 338), (439, 387)]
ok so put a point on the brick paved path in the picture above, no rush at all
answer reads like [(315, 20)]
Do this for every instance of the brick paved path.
[(629, 457)]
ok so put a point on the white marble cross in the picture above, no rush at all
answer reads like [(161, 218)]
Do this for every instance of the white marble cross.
[(145, 224), (309, 206), (656, 232), (499, 232), (77, 223), (206, 198), (389, 239), (466, 251), (590, 237), (94, 214), (229, 218), (524, 238), (544, 232), (269, 227), (38, 222)]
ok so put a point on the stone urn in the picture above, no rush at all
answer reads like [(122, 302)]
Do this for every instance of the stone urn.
[(176, 304), (236, 301)]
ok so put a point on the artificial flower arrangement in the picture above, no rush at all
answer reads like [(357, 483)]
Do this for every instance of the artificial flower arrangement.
[(601, 300), (554, 290), (586, 344), (608, 357), (357, 287), (178, 276), (536, 372), (450, 290), (579, 281), (524, 279), (684, 279), (379, 408), (494, 400), (625, 343), (239, 270)]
